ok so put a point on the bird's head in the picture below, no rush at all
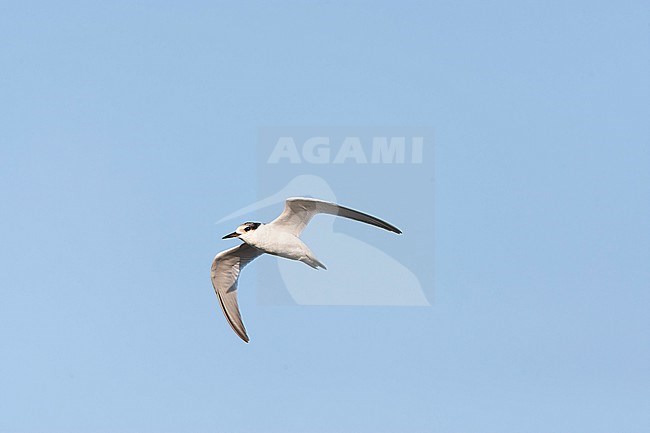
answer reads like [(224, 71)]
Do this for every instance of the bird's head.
[(243, 230)]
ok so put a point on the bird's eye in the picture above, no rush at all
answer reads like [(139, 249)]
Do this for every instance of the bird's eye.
[(247, 229)]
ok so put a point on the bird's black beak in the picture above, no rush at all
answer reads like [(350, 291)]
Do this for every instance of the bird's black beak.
[(231, 235)]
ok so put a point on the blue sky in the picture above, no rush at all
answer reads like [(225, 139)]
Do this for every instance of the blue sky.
[(127, 130)]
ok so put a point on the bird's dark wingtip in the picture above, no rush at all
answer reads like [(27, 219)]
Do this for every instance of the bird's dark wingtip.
[(394, 229)]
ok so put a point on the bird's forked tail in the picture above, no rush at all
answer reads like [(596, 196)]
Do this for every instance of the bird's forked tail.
[(313, 262)]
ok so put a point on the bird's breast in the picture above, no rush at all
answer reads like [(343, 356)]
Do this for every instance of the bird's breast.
[(278, 243)]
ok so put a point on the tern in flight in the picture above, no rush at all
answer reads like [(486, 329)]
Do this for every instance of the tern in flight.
[(280, 237)]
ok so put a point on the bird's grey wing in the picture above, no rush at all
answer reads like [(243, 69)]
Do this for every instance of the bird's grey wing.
[(298, 211), (225, 273)]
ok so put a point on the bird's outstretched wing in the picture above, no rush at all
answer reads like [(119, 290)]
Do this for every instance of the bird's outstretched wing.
[(298, 211), (225, 273)]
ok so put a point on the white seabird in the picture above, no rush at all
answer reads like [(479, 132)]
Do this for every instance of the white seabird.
[(280, 237)]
